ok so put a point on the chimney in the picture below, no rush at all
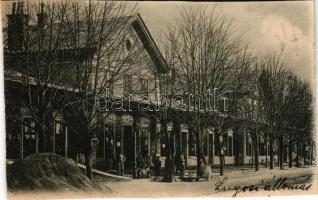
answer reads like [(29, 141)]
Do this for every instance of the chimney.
[(17, 23)]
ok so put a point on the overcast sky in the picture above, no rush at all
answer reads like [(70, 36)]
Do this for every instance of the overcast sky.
[(279, 26)]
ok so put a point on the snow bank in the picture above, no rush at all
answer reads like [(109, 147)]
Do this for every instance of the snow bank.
[(47, 171)]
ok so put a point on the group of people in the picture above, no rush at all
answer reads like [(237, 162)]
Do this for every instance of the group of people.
[(145, 166), (180, 164)]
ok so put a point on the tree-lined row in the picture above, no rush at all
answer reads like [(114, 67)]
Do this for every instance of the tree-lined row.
[(205, 53)]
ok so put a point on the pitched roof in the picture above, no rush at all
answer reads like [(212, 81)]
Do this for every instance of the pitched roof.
[(134, 21)]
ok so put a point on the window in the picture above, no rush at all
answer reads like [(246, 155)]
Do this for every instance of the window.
[(91, 81), (109, 141), (211, 144), (217, 146), (143, 86), (29, 136), (191, 144), (205, 145), (262, 146), (163, 83), (230, 147), (58, 128), (248, 146), (128, 45), (117, 139), (28, 126), (144, 142), (229, 141), (127, 84), (162, 146), (226, 144), (110, 80)]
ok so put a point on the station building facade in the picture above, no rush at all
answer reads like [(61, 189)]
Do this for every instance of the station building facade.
[(130, 133)]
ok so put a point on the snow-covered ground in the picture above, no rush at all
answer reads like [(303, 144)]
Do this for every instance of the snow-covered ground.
[(235, 178), (146, 187)]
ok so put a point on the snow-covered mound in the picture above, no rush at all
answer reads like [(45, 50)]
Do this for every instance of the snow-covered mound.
[(47, 171)]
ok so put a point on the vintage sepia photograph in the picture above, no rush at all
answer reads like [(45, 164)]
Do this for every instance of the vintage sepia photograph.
[(115, 99)]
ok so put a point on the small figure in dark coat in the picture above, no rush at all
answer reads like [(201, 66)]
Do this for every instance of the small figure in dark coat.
[(157, 167)]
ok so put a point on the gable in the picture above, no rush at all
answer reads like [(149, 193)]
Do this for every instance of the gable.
[(148, 43)]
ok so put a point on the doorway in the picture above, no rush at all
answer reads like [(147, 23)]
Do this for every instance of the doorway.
[(128, 146), (144, 144), (60, 138), (184, 145), (211, 149)]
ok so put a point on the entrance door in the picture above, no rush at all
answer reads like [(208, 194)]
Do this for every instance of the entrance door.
[(100, 151), (145, 143), (109, 141), (177, 144), (128, 146)]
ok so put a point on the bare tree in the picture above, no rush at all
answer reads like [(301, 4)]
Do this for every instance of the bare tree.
[(273, 84), (34, 51), (209, 58), (252, 110), (298, 116), (101, 28), (71, 49)]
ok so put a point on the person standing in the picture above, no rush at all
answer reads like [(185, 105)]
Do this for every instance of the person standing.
[(122, 160), (157, 167)]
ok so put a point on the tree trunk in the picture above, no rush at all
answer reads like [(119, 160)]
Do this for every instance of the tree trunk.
[(43, 134), (44, 141), (252, 155), (266, 157), (222, 163), (278, 154), (281, 152), (36, 142), (135, 128), (311, 154), (271, 153), (198, 151), (89, 163), (255, 142), (168, 177), (172, 153), (220, 153), (40, 132), (88, 155), (297, 154), (290, 154)]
